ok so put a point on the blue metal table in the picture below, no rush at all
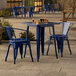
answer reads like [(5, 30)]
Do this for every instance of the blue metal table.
[(15, 10), (40, 30), (23, 11), (29, 10)]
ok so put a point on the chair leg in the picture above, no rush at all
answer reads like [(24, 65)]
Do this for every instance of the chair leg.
[(58, 44), (69, 47), (21, 50), (48, 47), (25, 50), (30, 51), (14, 52), (7, 52), (62, 43), (14, 56)]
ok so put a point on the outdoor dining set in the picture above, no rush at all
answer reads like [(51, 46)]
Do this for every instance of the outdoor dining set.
[(23, 11), (40, 34)]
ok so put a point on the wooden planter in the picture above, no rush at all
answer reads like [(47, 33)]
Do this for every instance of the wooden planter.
[(14, 3), (0, 31), (38, 5)]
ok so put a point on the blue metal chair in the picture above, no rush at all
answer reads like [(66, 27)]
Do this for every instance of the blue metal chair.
[(25, 11), (31, 12), (17, 11), (61, 37), (45, 8), (13, 12), (17, 42), (51, 8)]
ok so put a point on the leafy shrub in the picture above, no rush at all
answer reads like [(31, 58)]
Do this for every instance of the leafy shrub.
[(4, 33), (5, 12), (31, 36), (48, 1)]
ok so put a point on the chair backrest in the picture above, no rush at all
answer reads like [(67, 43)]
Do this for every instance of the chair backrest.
[(10, 32), (31, 9), (65, 27), (46, 6)]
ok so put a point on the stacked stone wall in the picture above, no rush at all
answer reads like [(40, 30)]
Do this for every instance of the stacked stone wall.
[(3, 4)]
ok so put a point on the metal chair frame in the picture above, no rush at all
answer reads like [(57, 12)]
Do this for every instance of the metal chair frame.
[(17, 43), (61, 37)]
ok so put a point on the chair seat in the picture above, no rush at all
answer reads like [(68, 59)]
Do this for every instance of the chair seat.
[(61, 37), (58, 36), (18, 40)]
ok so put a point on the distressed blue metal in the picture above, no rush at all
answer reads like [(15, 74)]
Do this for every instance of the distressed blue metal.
[(42, 39), (60, 38), (25, 12), (40, 32), (45, 8), (38, 42), (15, 11), (54, 41), (17, 43), (29, 14)]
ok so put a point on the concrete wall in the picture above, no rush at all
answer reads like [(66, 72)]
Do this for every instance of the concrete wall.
[(3, 4)]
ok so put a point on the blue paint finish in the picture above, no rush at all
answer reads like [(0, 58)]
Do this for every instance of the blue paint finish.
[(54, 41), (17, 43), (60, 38), (38, 42), (40, 33), (42, 39), (16, 11)]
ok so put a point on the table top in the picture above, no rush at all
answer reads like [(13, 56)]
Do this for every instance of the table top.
[(41, 24)]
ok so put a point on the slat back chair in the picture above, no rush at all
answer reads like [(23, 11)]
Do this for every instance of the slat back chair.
[(45, 8), (52, 8), (17, 42)]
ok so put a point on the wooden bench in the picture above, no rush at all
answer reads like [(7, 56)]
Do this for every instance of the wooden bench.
[(0, 31), (64, 18)]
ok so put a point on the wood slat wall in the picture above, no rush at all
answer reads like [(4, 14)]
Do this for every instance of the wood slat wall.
[(14, 3), (38, 5)]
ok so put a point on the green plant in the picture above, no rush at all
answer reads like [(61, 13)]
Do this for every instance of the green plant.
[(4, 34), (5, 12), (31, 36), (48, 1), (29, 3)]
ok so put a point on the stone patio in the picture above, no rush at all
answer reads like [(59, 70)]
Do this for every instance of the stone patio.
[(48, 65)]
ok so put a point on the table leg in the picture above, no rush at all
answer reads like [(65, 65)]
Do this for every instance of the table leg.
[(15, 12), (22, 12), (42, 40), (55, 41), (38, 42)]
